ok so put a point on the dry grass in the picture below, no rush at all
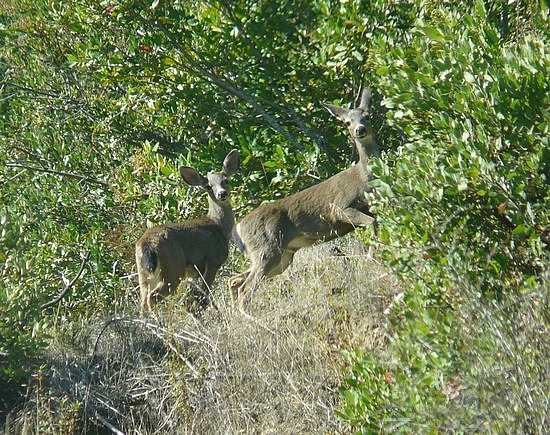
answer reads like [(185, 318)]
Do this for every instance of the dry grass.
[(275, 369)]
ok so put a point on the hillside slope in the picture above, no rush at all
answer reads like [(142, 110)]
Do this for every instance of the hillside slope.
[(276, 369)]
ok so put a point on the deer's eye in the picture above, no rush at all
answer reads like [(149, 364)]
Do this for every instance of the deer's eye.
[(348, 123)]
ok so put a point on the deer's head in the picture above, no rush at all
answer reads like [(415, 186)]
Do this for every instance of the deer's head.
[(358, 120), (216, 184)]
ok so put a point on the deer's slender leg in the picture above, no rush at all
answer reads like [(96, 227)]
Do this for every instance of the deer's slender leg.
[(235, 282), (357, 218), (262, 265)]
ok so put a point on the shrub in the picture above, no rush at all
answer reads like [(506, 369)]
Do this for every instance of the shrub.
[(463, 210)]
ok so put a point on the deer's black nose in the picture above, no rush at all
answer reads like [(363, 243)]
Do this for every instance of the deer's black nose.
[(223, 195), (360, 131)]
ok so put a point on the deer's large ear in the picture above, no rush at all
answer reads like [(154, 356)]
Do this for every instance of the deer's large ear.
[(231, 163), (192, 177), (337, 111), (366, 99)]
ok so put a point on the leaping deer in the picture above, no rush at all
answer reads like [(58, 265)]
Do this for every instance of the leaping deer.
[(166, 254), (271, 234)]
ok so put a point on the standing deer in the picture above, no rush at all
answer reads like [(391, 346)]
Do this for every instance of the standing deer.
[(271, 234), (166, 254)]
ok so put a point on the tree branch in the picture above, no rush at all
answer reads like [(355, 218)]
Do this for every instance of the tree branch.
[(197, 68), (287, 108), (27, 89), (51, 171), (61, 295)]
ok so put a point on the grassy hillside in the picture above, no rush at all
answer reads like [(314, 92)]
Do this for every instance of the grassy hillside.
[(277, 369)]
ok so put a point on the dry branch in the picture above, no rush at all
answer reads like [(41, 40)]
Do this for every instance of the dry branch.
[(51, 171), (69, 286)]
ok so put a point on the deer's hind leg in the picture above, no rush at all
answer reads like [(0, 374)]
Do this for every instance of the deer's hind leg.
[(148, 293), (208, 274), (264, 266), (235, 282)]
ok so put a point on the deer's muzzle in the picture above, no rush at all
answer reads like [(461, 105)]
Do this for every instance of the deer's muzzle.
[(222, 196), (361, 131)]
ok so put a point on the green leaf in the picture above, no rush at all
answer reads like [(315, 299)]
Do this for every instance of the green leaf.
[(469, 77), (433, 33), (383, 70)]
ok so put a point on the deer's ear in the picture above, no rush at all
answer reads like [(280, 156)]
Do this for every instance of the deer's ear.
[(231, 163), (192, 177), (337, 111), (366, 99)]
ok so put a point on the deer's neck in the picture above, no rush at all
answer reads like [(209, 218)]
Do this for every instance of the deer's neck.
[(367, 148), (222, 214)]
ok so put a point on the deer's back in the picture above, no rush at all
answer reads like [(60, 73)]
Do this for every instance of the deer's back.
[(310, 215), (195, 241)]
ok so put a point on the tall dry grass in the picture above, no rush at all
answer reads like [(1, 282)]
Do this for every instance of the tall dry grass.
[(274, 369)]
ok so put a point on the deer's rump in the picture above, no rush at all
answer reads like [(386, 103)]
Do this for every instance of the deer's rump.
[(149, 259)]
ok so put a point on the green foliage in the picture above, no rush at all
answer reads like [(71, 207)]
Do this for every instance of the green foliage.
[(463, 211), (470, 187), (100, 102), (366, 393), (194, 76)]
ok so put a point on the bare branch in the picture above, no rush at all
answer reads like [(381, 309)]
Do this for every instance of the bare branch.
[(195, 67), (108, 425), (51, 171), (69, 286), (6, 85), (163, 335)]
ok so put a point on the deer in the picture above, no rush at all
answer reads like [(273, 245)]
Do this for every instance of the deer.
[(272, 233), (195, 248)]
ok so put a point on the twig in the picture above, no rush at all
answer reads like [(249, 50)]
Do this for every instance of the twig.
[(254, 320), (34, 91), (61, 295), (51, 171), (108, 425), (158, 332), (173, 349)]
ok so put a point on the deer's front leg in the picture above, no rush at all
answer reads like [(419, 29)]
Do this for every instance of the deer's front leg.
[(235, 282), (357, 218)]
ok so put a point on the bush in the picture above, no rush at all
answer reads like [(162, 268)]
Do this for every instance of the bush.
[(463, 211), (100, 102)]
